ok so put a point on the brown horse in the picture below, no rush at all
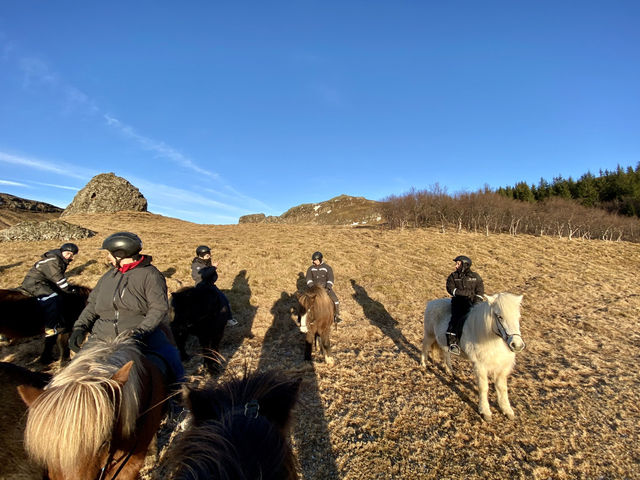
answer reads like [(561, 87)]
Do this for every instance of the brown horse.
[(318, 307), (21, 316), (14, 462), (239, 430), (97, 417)]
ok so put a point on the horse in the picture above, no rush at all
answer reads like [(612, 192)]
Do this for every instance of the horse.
[(14, 462), (318, 307), (490, 339), (239, 430), (199, 312), (21, 316), (98, 416)]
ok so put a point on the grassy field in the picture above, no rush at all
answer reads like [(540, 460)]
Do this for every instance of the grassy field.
[(377, 414)]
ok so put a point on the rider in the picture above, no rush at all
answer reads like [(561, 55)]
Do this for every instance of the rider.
[(129, 299), (46, 279), (321, 274), (205, 274), (466, 288)]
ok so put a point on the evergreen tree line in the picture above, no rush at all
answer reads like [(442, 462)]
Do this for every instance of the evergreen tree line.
[(617, 191), (487, 212)]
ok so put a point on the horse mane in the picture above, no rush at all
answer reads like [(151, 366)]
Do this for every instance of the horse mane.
[(226, 443), (76, 414), (317, 296), (480, 319)]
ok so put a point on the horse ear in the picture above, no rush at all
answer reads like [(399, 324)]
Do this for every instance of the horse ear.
[(491, 298), (280, 401), (29, 394), (122, 375), (520, 297)]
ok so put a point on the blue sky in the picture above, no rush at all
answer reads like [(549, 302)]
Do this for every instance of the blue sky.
[(220, 109)]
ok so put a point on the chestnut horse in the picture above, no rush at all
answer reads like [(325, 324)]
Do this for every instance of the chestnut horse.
[(318, 308), (97, 417), (21, 316), (239, 430)]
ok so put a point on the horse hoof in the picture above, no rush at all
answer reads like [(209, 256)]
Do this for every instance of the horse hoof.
[(486, 417), (509, 414), (329, 361)]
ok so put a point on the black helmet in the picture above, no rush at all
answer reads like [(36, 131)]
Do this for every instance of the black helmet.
[(316, 256), (466, 261), (69, 247), (123, 244), (202, 250)]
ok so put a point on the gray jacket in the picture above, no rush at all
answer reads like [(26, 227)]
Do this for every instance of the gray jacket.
[(121, 302)]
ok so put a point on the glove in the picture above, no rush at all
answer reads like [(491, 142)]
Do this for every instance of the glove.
[(76, 339)]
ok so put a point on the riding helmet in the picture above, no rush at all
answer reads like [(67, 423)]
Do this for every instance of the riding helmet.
[(466, 261), (69, 247), (316, 256), (202, 250), (123, 244)]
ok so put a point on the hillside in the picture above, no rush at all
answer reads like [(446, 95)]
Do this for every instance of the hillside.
[(377, 414), (14, 210), (340, 210)]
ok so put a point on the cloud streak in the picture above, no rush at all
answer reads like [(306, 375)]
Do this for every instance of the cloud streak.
[(13, 184), (58, 168), (159, 148)]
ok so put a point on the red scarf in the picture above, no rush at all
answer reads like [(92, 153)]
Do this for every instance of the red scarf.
[(130, 266)]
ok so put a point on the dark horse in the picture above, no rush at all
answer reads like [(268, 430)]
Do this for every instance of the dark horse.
[(98, 416), (14, 462), (316, 304), (21, 316), (239, 430), (199, 312)]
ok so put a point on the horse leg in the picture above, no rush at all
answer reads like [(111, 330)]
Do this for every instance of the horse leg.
[(63, 346), (47, 354), (483, 391), (326, 347), (503, 395), (307, 350)]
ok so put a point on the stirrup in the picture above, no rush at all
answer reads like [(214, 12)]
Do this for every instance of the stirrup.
[(50, 332), (454, 349)]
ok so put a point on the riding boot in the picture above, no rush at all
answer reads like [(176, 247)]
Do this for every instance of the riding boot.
[(47, 354)]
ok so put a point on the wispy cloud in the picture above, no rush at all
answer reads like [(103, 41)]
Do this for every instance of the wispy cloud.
[(159, 148), (58, 168), (63, 187), (13, 184)]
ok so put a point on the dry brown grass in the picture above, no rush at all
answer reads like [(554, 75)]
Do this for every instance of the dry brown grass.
[(377, 413)]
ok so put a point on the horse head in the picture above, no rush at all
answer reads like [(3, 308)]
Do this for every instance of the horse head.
[(505, 313)]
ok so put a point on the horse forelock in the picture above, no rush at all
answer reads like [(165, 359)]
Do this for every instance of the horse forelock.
[(507, 305), (71, 423)]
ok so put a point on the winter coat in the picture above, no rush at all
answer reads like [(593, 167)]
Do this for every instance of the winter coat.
[(47, 276), (202, 269), (321, 275), (466, 284), (121, 302)]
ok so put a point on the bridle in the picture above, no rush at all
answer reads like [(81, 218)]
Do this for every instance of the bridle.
[(503, 333)]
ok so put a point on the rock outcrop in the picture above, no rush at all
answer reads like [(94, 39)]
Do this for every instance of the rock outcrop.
[(14, 210), (107, 193), (48, 230), (341, 210)]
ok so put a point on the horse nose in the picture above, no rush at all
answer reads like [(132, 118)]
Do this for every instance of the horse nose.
[(516, 344)]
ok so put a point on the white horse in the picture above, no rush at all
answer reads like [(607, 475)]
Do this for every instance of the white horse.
[(490, 338)]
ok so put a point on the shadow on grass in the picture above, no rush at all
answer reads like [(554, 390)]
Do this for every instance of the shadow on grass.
[(169, 272), (243, 312), (283, 349), (80, 268), (7, 267), (377, 314)]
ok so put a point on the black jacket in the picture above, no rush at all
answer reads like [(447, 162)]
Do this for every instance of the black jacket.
[(202, 269), (47, 276), (321, 275), (466, 284), (120, 302)]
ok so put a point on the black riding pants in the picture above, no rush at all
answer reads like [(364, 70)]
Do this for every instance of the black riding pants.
[(460, 307)]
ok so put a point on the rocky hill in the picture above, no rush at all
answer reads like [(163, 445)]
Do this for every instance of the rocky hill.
[(14, 210), (341, 210), (107, 193)]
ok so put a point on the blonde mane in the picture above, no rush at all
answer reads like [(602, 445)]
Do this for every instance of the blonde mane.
[(73, 420)]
